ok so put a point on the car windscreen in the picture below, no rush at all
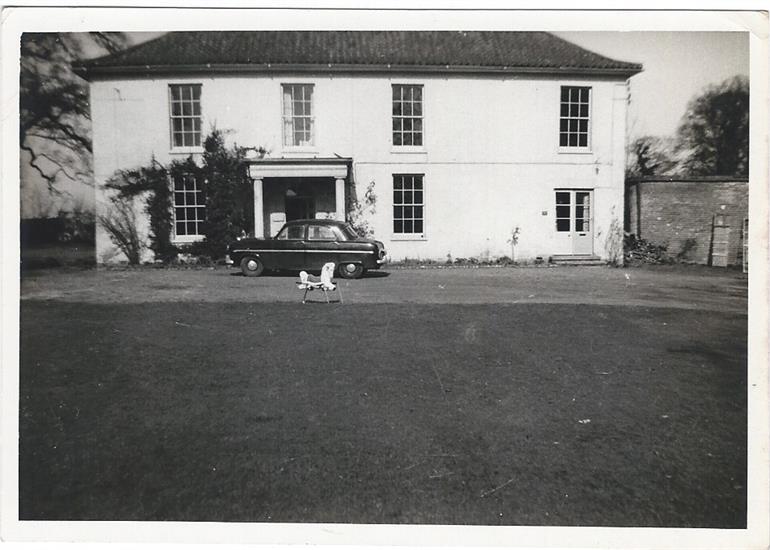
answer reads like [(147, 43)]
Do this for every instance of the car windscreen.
[(349, 232)]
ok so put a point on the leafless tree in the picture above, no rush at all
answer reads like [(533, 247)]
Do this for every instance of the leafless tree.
[(120, 223), (651, 156), (54, 107)]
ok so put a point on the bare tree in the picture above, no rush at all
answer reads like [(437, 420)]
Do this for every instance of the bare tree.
[(120, 223), (651, 156), (54, 107)]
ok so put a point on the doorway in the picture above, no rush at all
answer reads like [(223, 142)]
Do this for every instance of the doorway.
[(300, 207), (574, 221)]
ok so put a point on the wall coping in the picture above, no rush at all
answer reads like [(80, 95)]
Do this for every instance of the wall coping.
[(688, 179)]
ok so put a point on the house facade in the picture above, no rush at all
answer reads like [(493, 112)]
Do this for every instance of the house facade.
[(475, 144)]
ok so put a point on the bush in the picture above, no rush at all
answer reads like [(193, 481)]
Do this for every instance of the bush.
[(120, 223), (227, 190)]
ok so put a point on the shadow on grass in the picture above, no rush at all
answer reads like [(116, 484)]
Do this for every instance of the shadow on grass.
[(288, 274)]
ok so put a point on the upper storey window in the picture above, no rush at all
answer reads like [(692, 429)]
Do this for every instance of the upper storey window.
[(575, 117), (407, 115), (185, 101), (298, 115)]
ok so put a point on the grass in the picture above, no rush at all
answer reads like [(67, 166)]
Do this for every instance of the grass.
[(388, 413)]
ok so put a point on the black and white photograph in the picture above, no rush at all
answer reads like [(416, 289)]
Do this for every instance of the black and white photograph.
[(437, 276)]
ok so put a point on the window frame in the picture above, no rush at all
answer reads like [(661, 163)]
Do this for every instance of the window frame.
[(407, 148), (198, 193), (174, 148), (313, 131), (575, 149), (413, 236)]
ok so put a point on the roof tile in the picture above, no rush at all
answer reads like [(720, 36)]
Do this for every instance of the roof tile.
[(456, 49)]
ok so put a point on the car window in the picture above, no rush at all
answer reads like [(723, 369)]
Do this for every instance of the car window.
[(321, 233), (291, 232)]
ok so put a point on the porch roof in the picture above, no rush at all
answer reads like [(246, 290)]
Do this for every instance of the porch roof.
[(282, 167)]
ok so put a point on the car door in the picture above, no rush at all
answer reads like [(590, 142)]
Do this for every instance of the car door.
[(322, 245), (287, 250)]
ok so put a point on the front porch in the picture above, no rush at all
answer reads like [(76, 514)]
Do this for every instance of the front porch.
[(293, 188)]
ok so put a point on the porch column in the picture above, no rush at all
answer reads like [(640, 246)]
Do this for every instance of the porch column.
[(259, 210), (339, 199)]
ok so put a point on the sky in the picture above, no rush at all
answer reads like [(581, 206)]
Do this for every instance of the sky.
[(677, 67)]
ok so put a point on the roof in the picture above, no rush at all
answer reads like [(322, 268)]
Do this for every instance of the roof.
[(357, 51)]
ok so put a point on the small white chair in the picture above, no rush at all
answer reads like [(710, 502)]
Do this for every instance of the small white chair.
[(308, 283)]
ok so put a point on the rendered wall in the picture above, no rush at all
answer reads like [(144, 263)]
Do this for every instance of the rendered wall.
[(490, 158)]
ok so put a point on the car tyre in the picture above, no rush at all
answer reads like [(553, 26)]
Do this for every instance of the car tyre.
[(350, 271), (252, 266)]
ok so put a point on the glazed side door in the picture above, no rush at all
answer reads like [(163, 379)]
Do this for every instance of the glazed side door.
[(287, 250), (574, 222), (322, 245)]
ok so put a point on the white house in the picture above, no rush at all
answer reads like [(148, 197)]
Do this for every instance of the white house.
[(465, 137)]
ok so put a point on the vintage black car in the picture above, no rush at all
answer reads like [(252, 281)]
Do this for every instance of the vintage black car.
[(308, 245)]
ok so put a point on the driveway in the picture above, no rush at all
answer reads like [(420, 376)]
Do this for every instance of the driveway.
[(686, 287)]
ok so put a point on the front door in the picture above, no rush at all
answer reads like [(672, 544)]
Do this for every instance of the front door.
[(574, 222), (300, 208)]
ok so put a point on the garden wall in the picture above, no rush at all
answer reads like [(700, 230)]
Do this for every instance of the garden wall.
[(681, 212)]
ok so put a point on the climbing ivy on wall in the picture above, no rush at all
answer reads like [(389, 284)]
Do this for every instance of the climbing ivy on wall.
[(360, 211), (151, 182), (225, 185)]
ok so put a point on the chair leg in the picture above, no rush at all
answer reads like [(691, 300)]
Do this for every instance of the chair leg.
[(327, 296), (305, 296)]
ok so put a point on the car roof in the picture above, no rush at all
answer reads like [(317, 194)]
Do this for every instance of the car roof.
[(319, 222)]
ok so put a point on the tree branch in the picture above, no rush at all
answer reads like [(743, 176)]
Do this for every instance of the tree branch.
[(49, 178), (62, 169)]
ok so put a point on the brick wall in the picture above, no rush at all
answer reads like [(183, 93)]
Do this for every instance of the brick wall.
[(679, 213)]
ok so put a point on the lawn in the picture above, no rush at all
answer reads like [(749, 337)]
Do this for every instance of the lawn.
[(493, 414)]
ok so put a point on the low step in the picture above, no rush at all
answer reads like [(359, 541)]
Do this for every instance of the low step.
[(576, 259)]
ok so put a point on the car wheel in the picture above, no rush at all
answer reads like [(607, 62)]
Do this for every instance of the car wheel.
[(350, 271), (251, 266)]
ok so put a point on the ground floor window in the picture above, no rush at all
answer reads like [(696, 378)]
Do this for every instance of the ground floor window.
[(189, 207), (408, 204)]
